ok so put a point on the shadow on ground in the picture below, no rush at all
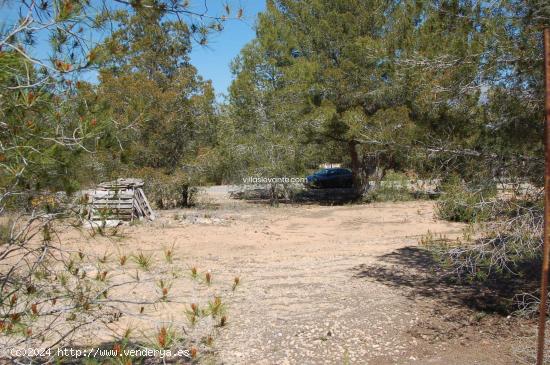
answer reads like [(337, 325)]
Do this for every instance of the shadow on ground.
[(414, 269), (331, 196)]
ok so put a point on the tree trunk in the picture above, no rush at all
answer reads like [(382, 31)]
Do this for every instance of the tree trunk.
[(355, 167), (273, 199), (184, 196)]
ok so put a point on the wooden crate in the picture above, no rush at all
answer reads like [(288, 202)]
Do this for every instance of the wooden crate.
[(121, 199)]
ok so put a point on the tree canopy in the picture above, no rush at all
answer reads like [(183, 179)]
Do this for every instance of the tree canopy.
[(438, 87)]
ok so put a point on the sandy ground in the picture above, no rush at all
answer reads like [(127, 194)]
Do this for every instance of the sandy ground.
[(327, 284)]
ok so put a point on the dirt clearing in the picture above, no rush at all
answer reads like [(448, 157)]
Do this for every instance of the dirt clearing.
[(327, 284)]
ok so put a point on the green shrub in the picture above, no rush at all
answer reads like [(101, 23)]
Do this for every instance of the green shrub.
[(461, 203), (394, 187), (167, 191), (505, 251)]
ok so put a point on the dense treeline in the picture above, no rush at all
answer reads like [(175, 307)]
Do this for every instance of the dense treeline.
[(439, 88), (450, 87)]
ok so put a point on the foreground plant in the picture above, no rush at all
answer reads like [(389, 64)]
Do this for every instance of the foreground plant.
[(65, 296), (509, 244), (52, 128)]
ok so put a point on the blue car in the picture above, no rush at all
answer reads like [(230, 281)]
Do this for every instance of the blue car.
[(330, 178)]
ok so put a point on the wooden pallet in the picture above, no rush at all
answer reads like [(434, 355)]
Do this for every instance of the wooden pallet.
[(121, 199)]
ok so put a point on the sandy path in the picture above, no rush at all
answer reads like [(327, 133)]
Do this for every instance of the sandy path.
[(303, 299)]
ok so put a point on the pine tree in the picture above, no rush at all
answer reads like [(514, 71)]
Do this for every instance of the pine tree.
[(150, 88)]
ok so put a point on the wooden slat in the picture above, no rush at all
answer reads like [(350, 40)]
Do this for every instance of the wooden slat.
[(122, 199), (125, 196), (113, 203), (141, 195)]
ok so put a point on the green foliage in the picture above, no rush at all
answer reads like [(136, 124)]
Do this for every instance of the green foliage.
[(505, 248), (12, 66), (302, 82), (163, 110), (462, 203), (258, 134), (46, 135), (394, 187), (144, 261), (406, 85), (167, 190)]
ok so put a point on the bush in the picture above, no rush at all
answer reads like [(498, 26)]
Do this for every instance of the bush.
[(167, 191), (394, 187), (506, 251), (460, 203), (73, 292)]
